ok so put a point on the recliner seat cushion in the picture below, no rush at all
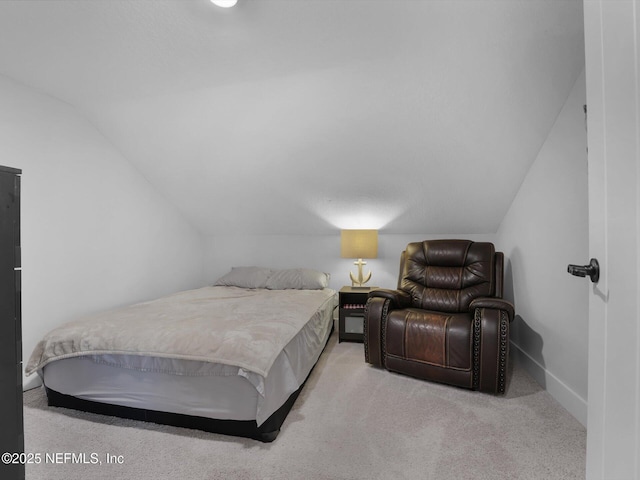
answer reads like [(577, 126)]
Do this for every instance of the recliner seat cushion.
[(429, 337)]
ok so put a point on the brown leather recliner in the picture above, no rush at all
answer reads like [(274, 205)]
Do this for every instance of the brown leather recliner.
[(447, 321)]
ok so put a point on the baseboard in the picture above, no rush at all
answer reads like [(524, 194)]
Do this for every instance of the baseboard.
[(31, 382), (569, 399)]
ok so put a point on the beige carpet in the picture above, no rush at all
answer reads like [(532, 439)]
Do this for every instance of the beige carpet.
[(352, 421)]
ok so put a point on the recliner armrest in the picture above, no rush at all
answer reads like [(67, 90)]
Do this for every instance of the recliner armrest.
[(495, 303), (399, 298)]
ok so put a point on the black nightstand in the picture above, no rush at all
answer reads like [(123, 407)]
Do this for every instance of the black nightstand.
[(351, 302)]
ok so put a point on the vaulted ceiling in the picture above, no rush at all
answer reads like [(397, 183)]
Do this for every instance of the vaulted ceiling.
[(305, 116)]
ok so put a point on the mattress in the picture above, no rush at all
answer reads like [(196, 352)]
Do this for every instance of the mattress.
[(194, 387)]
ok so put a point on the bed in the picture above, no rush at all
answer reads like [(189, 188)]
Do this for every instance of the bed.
[(229, 358)]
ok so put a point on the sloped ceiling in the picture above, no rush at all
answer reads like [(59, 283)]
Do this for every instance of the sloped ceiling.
[(305, 116)]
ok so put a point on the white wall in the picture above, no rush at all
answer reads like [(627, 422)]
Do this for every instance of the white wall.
[(545, 229), (95, 234), (319, 252)]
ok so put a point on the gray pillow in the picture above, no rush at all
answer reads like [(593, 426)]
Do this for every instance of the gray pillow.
[(245, 277), (298, 279)]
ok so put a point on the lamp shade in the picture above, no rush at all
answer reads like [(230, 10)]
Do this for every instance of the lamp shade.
[(359, 243)]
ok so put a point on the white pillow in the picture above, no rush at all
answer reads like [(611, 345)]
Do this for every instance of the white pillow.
[(298, 279), (245, 277)]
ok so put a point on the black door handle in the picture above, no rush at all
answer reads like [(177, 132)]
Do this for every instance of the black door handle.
[(592, 270)]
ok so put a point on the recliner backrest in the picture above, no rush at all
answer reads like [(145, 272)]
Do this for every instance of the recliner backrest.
[(446, 275)]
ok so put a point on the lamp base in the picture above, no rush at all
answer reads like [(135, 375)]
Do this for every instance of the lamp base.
[(360, 280)]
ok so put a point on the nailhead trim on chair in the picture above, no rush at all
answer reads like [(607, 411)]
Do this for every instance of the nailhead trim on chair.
[(365, 329), (476, 349), (383, 333), (504, 333)]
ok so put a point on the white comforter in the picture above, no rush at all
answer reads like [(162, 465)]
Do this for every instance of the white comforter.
[(225, 325)]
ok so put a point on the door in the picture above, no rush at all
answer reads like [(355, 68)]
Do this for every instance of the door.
[(613, 89)]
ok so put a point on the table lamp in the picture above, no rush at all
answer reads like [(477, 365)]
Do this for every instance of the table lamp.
[(359, 244)]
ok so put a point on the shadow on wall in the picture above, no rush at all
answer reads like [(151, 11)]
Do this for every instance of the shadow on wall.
[(521, 334)]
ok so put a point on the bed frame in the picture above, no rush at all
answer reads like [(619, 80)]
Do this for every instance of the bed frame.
[(267, 432)]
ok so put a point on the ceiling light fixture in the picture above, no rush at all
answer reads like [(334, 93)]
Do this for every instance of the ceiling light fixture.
[(224, 3)]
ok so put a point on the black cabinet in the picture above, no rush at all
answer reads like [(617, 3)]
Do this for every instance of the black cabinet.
[(351, 302), (11, 417)]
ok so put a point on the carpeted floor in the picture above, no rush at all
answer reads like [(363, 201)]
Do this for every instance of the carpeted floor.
[(351, 421)]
